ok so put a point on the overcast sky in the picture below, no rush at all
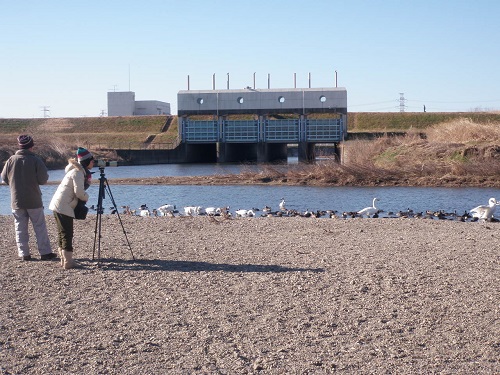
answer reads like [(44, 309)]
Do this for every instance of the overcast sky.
[(65, 56)]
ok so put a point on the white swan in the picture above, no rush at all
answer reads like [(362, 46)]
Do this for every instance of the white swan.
[(369, 211), (282, 204), (166, 209), (212, 211), (193, 210), (485, 211), (144, 210), (244, 213)]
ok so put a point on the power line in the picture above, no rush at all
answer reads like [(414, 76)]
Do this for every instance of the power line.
[(458, 102), (378, 109), (376, 103), (45, 110), (402, 102)]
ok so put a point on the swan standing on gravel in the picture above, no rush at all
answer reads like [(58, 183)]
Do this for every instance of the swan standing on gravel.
[(485, 211), (244, 213), (144, 211), (282, 204), (193, 210), (166, 209), (369, 211), (212, 211)]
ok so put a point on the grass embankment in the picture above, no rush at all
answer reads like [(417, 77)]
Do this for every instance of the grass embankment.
[(390, 121), (57, 139), (459, 149), (110, 132), (456, 153), (459, 152)]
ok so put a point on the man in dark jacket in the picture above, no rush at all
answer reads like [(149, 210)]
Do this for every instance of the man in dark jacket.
[(24, 172)]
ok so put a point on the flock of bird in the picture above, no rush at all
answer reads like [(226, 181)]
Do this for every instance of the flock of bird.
[(480, 213)]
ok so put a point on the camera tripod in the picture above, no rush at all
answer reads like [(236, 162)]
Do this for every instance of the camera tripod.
[(103, 188)]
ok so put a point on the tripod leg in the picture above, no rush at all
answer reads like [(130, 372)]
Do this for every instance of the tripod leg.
[(125, 234), (97, 231), (108, 189), (97, 237)]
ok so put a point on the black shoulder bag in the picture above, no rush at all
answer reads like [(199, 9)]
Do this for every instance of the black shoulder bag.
[(81, 210)]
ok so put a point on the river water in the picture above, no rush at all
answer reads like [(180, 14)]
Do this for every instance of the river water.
[(299, 198)]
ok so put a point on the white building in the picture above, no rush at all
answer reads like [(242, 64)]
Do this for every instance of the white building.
[(123, 103)]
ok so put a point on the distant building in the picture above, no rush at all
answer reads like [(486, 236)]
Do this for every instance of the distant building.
[(123, 103)]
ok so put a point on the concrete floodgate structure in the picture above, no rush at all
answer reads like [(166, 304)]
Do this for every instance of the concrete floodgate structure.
[(276, 118)]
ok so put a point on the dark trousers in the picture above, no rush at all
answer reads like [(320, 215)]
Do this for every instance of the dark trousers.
[(65, 231)]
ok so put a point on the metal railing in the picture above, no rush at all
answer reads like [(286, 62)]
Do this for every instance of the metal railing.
[(200, 131), (323, 130), (134, 146), (240, 131), (284, 130)]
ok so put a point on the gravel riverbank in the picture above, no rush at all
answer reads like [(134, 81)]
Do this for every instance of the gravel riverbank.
[(257, 296)]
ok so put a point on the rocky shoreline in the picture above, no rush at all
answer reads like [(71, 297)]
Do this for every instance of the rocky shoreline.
[(256, 296)]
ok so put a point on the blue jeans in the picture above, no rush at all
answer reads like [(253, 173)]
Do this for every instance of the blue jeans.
[(22, 217)]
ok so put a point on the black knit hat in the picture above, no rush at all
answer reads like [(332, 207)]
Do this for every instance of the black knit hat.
[(25, 142)]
